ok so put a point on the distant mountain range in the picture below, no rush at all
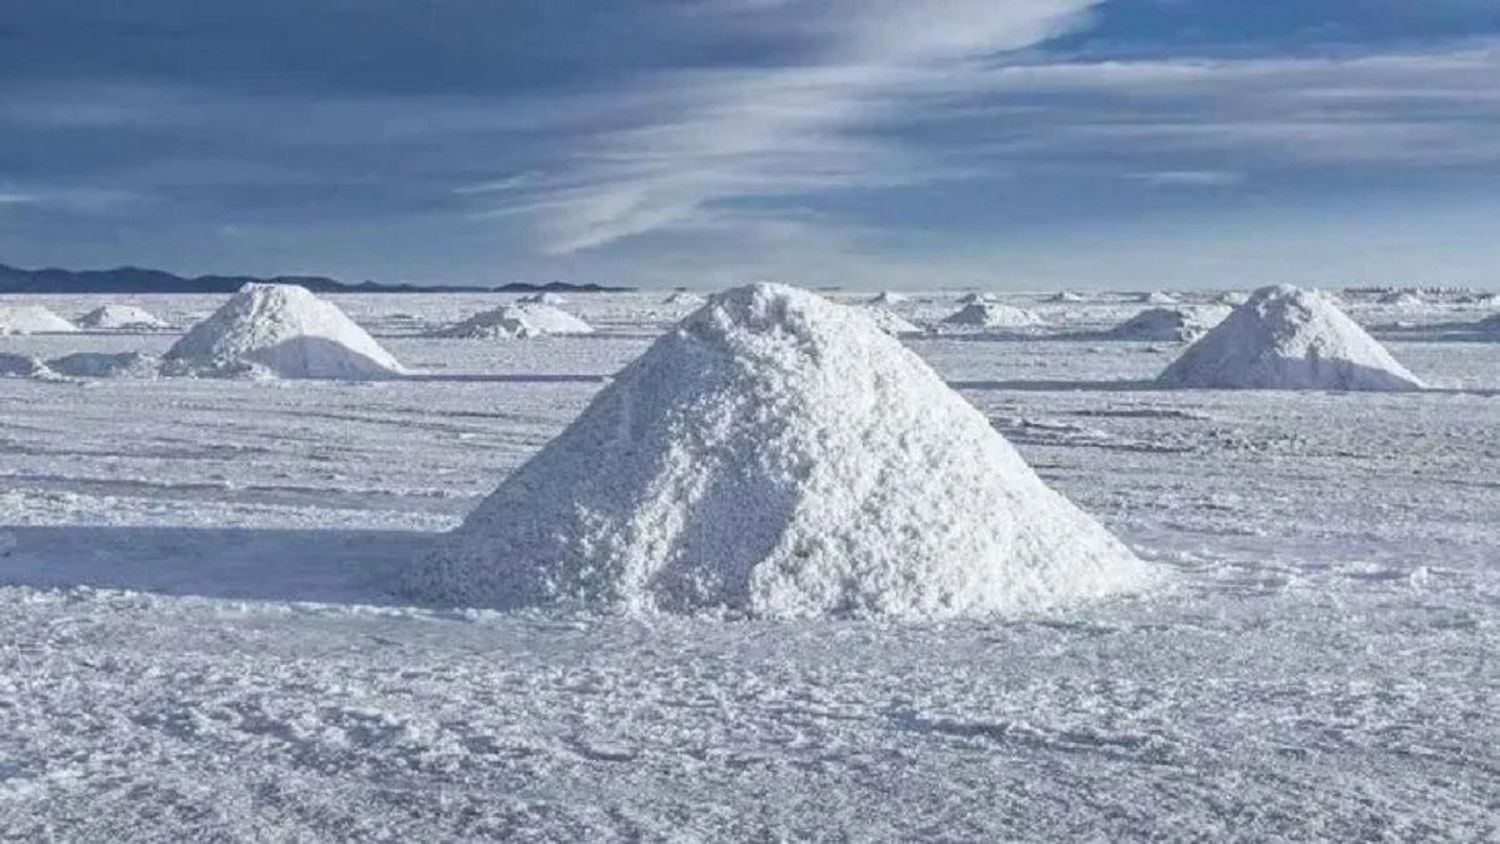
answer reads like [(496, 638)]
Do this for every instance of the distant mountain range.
[(140, 280)]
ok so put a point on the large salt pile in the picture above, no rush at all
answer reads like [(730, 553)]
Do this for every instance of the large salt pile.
[(32, 319), (120, 318), (992, 315), (1168, 325), (283, 330), (779, 455), (517, 321), (1286, 338)]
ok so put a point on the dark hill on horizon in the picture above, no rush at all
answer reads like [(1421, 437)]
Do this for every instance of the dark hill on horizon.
[(143, 280)]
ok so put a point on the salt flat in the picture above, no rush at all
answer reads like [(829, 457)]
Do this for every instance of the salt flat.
[(198, 638)]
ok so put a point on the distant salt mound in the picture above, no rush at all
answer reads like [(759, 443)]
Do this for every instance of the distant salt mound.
[(120, 318), (1402, 299), (22, 366), (1285, 338), (992, 315), (890, 322), (1157, 297), (887, 297), (683, 299), (284, 331), (1233, 298), (776, 454), (33, 319), (976, 299), (1064, 297), (517, 322), (102, 365), (543, 299), (1168, 325)]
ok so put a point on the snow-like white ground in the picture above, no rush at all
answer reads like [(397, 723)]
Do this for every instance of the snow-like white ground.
[(197, 640)]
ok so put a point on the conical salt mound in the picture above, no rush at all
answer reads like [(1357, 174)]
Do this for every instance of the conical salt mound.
[(992, 315), (778, 454), (119, 317), (1168, 325), (286, 331), (1285, 338), (517, 321), (33, 319)]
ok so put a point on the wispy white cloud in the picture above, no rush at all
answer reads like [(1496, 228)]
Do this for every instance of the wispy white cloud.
[(1189, 178), (785, 130)]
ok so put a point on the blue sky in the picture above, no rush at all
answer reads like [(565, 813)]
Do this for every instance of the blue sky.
[(871, 143)]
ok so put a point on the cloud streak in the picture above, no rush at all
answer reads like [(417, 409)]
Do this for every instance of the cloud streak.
[(738, 134)]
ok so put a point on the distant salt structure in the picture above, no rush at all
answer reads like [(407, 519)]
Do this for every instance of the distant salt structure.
[(520, 321), (684, 300), (1168, 325), (777, 455), (1402, 299), (1287, 338), (121, 318), (544, 298), (975, 298), (1064, 297), (1157, 297), (33, 319), (887, 298), (891, 322), (284, 331), (992, 315)]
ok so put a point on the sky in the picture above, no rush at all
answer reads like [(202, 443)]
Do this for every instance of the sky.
[(1008, 144)]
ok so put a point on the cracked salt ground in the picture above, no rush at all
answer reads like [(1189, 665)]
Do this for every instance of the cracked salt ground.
[(230, 666)]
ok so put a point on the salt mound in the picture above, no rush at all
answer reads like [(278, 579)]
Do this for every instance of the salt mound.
[(33, 319), (976, 298), (285, 331), (1157, 297), (777, 454), (1168, 325), (118, 317), (684, 299), (1402, 299), (890, 322), (887, 297), (543, 299), (22, 366), (1065, 296), (992, 315), (1285, 338), (517, 321), (102, 365)]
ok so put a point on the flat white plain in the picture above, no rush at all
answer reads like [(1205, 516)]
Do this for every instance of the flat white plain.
[(197, 639)]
